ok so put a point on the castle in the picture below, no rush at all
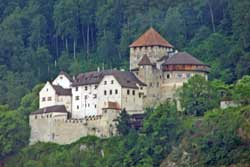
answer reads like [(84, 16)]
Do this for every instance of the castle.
[(89, 103)]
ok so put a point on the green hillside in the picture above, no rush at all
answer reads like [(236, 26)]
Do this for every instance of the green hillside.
[(41, 37)]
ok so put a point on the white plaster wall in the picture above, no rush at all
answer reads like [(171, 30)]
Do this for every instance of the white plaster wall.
[(63, 81), (104, 99), (66, 101), (46, 92), (132, 103), (87, 103)]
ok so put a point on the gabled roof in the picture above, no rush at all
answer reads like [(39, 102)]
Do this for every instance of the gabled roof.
[(61, 91), (144, 61), (151, 38), (183, 58), (56, 108), (125, 78), (66, 75)]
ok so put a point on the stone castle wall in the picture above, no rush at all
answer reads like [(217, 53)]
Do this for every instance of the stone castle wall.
[(59, 129), (154, 53)]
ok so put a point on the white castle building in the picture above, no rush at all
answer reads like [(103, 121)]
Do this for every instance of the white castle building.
[(88, 104)]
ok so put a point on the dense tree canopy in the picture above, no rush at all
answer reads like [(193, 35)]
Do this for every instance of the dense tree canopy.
[(198, 96), (51, 35)]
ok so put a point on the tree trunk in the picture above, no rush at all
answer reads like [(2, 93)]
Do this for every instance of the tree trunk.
[(74, 49), (66, 45), (87, 41), (211, 15)]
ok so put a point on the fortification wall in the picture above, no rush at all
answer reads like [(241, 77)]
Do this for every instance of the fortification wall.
[(59, 129)]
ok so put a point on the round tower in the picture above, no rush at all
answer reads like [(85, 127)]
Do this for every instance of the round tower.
[(152, 44)]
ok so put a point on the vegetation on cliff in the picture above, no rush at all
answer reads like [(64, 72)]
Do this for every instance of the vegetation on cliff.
[(169, 137)]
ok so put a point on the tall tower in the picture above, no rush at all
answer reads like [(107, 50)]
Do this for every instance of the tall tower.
[(152, 44)]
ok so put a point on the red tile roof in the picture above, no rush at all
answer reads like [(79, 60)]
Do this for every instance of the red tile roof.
[(151, 38), (144, 61)]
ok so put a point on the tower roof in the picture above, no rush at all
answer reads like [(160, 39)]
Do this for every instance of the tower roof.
[(144, 61), (183, 58), (151, 38)]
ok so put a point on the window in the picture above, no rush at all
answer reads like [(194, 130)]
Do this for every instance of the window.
[(88, 104), (47, 90), (105, 92), (179, 75), (43, 99), (139, 95), (77, 107), (110, 92), (116, 91), (112, 81), (61, 77), (85, 97), (94, 96), (77, 98), (188, 75), (133, 92), (95, 105), (150, 84), (49, 98), (128, 92), (168, 76), (105, 82), (96, 86), (76, 88), (86, 88)]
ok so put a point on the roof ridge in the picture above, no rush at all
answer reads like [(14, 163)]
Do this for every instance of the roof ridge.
[(151, 38)]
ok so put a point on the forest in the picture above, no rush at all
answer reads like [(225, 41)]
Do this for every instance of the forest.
[(39, 38)]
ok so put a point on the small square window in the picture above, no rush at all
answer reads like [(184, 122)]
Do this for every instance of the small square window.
[(49, 98), (61, 77), (77, 98), (43, 99)]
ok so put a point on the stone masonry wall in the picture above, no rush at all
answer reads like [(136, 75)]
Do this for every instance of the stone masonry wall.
[(60, 130)]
